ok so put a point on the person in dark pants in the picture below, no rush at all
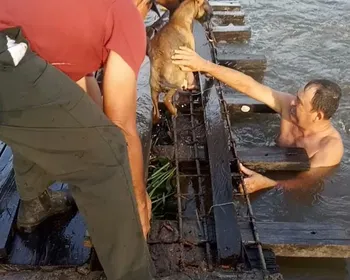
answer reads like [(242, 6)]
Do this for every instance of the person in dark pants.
[(58, 133)]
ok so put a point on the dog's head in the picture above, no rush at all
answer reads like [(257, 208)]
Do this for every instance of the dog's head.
[(204, 10)]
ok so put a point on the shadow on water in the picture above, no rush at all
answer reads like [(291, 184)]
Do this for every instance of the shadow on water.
[(302, 40)]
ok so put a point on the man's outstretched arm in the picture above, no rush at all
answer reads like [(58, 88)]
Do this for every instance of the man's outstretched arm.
[(189, 60)]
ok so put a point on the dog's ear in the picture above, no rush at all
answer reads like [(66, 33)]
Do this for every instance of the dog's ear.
[(199, 2)]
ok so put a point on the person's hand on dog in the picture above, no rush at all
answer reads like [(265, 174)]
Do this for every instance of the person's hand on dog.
[(189, 60)]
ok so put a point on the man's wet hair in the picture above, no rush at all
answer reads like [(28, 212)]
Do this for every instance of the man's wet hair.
[(326, 98)]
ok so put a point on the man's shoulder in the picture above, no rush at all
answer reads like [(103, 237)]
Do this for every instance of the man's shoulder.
[(333, 143)]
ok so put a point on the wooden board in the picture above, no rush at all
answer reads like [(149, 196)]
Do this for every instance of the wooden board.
[(251, 65), (225, 5), (241, 62), (232, 33), (58, 241), (258, 158), (240, 103), (228, 238), (228, 17), (8, 200), (274, 158), (301, 239)]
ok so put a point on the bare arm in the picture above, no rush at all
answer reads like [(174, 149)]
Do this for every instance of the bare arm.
[(255, 181), (189, 60), (119, 102), (247, 85)]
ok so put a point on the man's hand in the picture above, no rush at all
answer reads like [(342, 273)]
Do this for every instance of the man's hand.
[(189, 60), (255, 181)]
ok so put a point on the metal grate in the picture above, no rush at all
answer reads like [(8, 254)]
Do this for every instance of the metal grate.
[(198, 176)]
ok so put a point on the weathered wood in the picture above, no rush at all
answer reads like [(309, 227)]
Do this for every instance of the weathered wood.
[(251, 65), (232, 33), (238, 102), (242, 62), (8, 200), (258, 158), (228, 238), (166, 232), (225, 5), (274, 158), (301, 239), (228, 17)]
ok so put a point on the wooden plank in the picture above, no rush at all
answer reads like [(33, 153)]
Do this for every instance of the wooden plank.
[(232, 33), (239, 103), (301, 239), (228, 17), (251, 65), (274, 158), (241, 62), (166, 232), (228, 238), (225, 5), (58, 241), (8, 200), (258, 158)]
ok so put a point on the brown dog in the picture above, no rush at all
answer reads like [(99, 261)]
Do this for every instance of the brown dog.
[(165, 76)]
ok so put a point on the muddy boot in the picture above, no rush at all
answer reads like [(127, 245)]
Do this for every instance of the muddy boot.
[(34, 212)]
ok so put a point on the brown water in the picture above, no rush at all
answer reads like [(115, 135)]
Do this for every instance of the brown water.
[(301, 40)]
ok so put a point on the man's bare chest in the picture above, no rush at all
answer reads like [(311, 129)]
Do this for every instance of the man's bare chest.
[(291, 136)]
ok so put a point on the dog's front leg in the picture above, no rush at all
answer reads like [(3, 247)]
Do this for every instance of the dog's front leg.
[(191, 81), (156, 114), (168, 102)]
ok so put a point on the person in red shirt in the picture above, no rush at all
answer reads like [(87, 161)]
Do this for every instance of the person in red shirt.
[(58, 133)]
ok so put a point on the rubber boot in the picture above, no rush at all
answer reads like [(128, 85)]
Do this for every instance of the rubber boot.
[(33, 212)]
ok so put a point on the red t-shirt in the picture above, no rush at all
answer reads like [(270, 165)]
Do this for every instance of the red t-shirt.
[(76, 35)]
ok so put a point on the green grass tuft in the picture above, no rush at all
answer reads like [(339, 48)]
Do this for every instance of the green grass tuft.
[(160, 185)]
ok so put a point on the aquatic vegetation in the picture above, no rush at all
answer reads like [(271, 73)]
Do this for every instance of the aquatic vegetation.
[(160, 186)]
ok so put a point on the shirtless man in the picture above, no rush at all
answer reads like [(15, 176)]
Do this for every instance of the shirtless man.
[(305, 117)]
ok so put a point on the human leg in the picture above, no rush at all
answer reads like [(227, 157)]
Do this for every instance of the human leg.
[(48, 119), (37, 202)]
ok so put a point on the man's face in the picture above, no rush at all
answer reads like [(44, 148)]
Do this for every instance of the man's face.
[(301, 108)]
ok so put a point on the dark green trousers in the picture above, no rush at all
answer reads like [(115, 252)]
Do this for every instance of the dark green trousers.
[(57, 133)]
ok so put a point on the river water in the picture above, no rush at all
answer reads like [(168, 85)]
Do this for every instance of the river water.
[(302, 40)]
